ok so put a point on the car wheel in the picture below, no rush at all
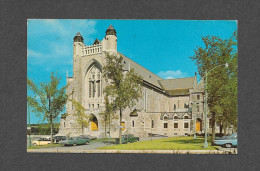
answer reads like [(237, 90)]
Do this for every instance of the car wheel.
[(228, 145), (87, 142), (34, 144)]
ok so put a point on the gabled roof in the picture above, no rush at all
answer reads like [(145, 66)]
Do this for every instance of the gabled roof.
[(179, 92), (180, 115), (147, 75), (178, 83), (199, 88)]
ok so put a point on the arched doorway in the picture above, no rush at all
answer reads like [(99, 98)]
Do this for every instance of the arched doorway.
[(198, 124), (93, 123)]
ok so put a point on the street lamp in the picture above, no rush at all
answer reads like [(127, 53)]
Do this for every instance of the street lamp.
[(205, 120)]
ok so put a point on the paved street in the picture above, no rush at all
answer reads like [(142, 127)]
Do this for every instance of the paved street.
[(90, 146)]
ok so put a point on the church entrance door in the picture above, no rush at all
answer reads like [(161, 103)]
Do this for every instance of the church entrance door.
[(94, 123), (198, 125)]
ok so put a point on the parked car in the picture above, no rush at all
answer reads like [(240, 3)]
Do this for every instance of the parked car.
[(75, 141), (226, 141), (128, 138), (88, 136), (41, 141), (59, 138)]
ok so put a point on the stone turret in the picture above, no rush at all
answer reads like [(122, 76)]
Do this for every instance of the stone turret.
[(78, 52), (110, 41)]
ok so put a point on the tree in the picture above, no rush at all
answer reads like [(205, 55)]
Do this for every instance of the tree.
[(108, 115), (124, 87), (48, 99), (81, 118), (222, 82)]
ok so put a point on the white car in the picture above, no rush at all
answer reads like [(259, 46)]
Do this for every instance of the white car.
[(41, 141)]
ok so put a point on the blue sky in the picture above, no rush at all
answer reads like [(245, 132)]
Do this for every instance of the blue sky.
[(161, 46)]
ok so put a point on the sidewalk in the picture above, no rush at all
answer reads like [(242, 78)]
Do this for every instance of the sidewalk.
[(49, 150)]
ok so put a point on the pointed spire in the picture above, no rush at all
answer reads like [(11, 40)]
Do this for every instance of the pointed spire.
[(78, 38), (111, 27), (96, 42), (78, 34), (111, 31)]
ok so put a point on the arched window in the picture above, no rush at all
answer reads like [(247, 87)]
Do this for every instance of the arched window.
[(94, 82), (175, 117), (152, 124), (186, 117), (165, 118), (94, 88), (90, 84), (98, 87)]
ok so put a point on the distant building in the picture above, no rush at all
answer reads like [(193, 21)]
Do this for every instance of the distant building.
[(167, 107)]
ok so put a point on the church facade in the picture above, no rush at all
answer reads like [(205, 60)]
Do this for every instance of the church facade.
[(168, 107)]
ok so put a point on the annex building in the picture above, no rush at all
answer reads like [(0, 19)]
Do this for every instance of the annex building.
[(170, 107)]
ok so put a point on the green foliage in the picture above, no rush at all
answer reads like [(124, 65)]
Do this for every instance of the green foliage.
[(108, 115), (44, 129), (48, 101), (81, 118), (222, 81), (123, 87)]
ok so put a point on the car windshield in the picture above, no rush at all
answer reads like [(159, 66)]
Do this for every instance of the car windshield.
[(234, 135)]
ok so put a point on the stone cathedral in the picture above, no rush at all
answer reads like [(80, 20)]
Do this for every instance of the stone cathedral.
[(168, 107)]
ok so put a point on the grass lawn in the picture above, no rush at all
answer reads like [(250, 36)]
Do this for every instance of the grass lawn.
[(173, 143), (45, 146)]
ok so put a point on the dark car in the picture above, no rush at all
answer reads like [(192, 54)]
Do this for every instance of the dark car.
[(128, 138), (88, 136), (59, 138), (75, 141), (226, 141)]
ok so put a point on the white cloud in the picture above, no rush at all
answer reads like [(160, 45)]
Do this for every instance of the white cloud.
[(172, 74), (53, 48), (34, 54), (65, 29)]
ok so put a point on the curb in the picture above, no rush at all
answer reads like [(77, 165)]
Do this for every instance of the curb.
[(133, 151)]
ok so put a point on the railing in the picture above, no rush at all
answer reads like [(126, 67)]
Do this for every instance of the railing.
[(93, 49)]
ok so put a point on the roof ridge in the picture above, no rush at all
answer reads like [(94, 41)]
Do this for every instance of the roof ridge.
[(178, 78), (140, 65)]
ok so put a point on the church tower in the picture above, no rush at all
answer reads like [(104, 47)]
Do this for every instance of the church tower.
[(109, 43), (78, 47)]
